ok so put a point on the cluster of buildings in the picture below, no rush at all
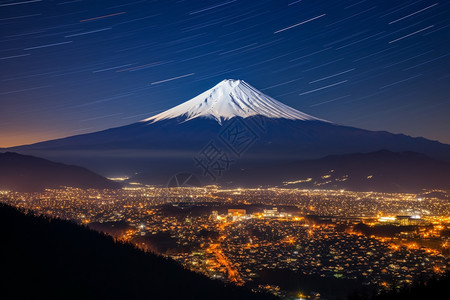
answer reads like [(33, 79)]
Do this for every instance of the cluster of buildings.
[(234, 235)]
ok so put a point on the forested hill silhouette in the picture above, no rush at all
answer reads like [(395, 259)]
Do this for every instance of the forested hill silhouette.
[(49, 258), (381, 171), (433, 288), (25, 173)]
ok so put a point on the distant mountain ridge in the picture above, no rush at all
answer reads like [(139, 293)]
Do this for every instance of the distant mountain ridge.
[(383, 171), (28, 174)]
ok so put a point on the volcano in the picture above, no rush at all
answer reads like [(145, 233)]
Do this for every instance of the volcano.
[(230, 99), (228, 128)]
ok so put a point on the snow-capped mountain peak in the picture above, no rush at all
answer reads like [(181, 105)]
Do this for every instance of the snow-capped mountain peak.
[(231, 98)]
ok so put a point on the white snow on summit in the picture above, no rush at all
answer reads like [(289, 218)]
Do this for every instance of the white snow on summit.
[(231, 98)]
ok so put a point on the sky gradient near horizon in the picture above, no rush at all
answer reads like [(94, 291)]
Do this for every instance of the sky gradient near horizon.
[(73, 67)]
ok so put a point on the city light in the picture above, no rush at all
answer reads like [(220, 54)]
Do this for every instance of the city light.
[(242, 232)]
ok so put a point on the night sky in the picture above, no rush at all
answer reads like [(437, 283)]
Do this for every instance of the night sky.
[(72, 67)]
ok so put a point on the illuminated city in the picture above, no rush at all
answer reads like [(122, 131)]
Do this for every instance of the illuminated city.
[(246, 236)]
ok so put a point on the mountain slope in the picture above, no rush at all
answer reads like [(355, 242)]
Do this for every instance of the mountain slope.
[(383, 171), (163, 145), (28, 173), (56, 259)]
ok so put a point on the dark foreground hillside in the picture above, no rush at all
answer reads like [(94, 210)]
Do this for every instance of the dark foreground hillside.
[(56, 259), (434, 288)]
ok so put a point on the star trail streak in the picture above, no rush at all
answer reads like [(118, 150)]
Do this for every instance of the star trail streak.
[(48, 45), (14, 56), (102, 17), (322, 88), (19, 3), (408, 35), (211, 7), (87, 32), (414, 13), (173, 78), (331, 76), (301, 23)]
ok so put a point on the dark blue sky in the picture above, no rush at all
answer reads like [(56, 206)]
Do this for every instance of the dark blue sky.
[(71, 67)]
